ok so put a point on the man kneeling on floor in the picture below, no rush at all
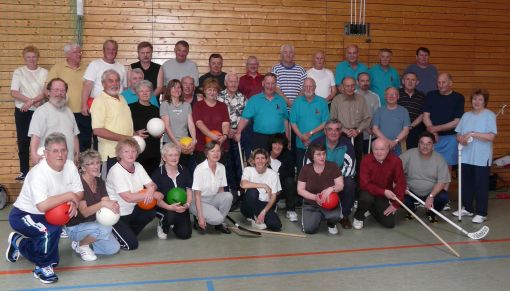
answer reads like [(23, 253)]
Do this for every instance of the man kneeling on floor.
[(53, 181), (381, 180), (427, 175)]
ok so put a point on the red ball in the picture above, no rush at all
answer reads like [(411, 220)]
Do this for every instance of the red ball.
[(208, 139), (58, 215), (146, 206), (331, 202)]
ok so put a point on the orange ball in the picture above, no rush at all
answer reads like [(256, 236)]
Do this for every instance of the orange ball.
[(146, 206), (331, 202), (208, 139), (58, 215)]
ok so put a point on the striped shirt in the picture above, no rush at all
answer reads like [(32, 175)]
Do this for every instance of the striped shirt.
[(414, 104), (289, 79)]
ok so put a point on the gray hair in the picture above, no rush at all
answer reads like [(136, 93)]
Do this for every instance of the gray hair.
[(70, 47), (137, 71), (107, 73), (87, 156), (252, 58), (284, 46), (55, 137), (169, 146), (310, 78), (143, 83), (231, 74)]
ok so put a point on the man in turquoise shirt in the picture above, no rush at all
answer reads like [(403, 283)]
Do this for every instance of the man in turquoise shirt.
[(383, 76), (308, 115), (268, 112), (351, 67)]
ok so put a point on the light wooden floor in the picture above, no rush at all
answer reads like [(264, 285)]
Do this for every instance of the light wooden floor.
[(405, 258)]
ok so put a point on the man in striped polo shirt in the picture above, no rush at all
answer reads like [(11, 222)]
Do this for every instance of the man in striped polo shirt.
[(289, 75), (412, 100)]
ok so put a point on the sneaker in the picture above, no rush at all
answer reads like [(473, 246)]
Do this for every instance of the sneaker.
[(409, 216), (367, 214), (345, 223), (12, 252), (333, 230), (64, 234), (46, 274), (281, 204), (86, 253), (463, 212), (291, 215), (355, 205), (256, 225), (479, 219), (160, 232), (357, 224), (431, 217), (20, 177), (447, 206)]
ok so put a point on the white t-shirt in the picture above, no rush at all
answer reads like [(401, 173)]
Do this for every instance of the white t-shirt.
[(95, 70), (28, 82), (119, 180), (48, 119), (269, 177), (324, 79), (275, 164), (42, 182), (207, 182)]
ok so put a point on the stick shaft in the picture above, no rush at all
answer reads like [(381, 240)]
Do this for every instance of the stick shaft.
[(459, 181), (281, 233), (438, 213), (427, 227)]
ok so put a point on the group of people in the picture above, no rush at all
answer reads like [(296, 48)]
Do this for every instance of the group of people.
[(306, 134)]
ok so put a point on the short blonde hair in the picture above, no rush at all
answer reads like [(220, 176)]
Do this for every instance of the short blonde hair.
[(127, 142)]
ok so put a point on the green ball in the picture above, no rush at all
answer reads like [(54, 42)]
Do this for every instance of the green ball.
[(176, 195)]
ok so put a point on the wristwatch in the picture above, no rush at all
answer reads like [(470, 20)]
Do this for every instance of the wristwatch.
[(431, 196)]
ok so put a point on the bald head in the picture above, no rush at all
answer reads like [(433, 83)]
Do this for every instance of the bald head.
[(381, 148)]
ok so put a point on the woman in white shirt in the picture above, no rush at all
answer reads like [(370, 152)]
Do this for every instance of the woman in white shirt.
[(27, 89), (262, 186), (211, 203)]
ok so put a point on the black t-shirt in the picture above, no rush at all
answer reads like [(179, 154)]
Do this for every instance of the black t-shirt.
[(90, 198), (164, 183), (141, 114), (220, 78), (150, 74)]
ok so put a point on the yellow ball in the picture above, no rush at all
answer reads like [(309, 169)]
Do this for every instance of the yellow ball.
[(186, 141)]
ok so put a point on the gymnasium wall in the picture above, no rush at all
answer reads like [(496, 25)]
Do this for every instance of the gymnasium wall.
[(469, 39)]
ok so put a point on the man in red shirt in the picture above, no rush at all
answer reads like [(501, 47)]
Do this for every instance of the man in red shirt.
[(251, 83), (382, 179)]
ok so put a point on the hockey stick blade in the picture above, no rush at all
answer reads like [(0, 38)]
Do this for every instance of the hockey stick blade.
[(481, 233), (243, 228)]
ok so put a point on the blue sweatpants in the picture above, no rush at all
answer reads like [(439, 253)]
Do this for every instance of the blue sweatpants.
[(40, 244)]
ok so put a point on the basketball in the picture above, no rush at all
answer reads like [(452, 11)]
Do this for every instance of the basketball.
[(141, 142), (331, 202), (156, 127), (176, 195), (40, 152), (107, 217), (208, 139), (142, 203), (58, 215)]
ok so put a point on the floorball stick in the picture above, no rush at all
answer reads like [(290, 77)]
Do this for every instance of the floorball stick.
[(481, 233), (427, 227)]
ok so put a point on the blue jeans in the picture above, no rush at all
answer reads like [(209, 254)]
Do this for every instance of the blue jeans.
[(105, 243)]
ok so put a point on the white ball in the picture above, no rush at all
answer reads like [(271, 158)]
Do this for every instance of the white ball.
[(156, 127), (40, 151), (107, 217), (141, 142)]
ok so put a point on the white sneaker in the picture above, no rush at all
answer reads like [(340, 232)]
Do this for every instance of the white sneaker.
[(291, 215), (256, 225), (447, 206), (333, 230), (463, 212), (479, 219), (86, 253), (357, 224), (161, 234), (64, 234), (367, 214)]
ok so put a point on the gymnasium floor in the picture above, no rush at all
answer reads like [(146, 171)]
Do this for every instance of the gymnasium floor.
[(407, 257)]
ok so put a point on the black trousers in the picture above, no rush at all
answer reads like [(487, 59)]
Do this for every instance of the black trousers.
[(251, 206), (181, 222), (130, 226), (376, 205), (22, 120), (85, 126)]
